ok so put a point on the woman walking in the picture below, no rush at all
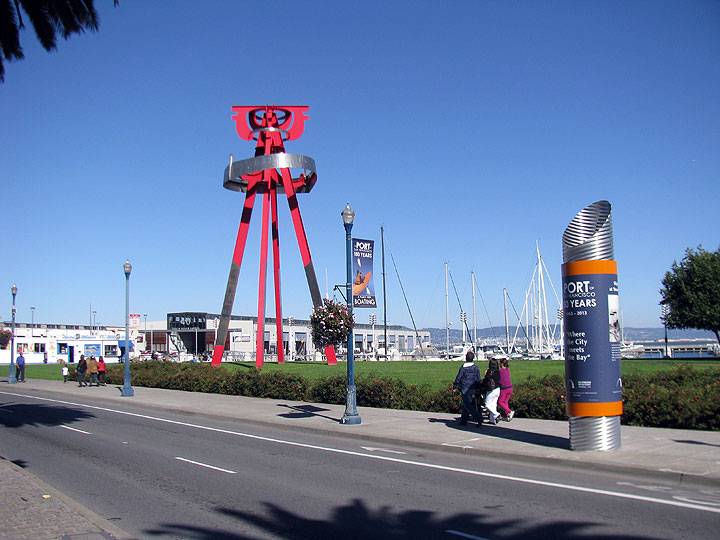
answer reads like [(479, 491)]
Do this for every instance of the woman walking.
[(491, 382), (506, 389), (102, 369)]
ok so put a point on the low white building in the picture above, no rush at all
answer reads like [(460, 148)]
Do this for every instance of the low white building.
[(187, 334), (51, 343)]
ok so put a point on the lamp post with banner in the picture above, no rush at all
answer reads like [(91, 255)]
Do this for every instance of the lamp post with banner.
[(351, 415)]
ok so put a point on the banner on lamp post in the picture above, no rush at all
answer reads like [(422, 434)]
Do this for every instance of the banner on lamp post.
[(134, 321), (363, 288)]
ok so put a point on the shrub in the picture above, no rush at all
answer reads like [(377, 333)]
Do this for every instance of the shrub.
[(679, 398)]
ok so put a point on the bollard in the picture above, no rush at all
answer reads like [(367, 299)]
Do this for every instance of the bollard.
[(591, 330)]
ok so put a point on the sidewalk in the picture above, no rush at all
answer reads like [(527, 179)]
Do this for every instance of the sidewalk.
[(672, 454), (32, 510)]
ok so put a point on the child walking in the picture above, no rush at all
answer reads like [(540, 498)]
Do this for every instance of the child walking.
[(506, 389), (65, 371)]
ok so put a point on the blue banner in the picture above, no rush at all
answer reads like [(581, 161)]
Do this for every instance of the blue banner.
[(363, 289), (592, 338)]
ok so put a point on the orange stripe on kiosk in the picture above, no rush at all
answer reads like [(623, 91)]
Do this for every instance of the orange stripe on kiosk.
[(591, 330)]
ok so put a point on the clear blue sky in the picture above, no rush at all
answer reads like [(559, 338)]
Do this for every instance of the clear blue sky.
[(469, 129)]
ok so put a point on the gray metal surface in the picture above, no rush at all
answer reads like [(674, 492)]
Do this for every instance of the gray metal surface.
[(594, 432), (232, 178), (589, 236)]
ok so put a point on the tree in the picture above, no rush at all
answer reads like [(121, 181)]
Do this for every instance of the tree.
[(48, 18), (691, 290)]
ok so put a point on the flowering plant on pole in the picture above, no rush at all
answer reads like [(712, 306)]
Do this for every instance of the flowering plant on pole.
[(330, 324), (5, 336)]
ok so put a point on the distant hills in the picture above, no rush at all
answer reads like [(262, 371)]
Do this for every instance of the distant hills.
[(437, 335)]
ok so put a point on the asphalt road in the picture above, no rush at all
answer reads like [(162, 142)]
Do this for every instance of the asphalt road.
[(158, 474)]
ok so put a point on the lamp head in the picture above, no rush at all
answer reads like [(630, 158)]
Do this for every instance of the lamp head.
[(13, 289), (127, 267), (348, 214)]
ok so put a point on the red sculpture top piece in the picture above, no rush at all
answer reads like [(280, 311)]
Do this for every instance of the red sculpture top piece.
[(251, 119)]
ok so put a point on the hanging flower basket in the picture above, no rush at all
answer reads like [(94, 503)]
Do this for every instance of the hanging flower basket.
[(5, 336), (330, 324)]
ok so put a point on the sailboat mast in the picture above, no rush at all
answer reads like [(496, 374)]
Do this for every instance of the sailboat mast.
[(447, 314), (507, 328), (382, 247), (472, 275), (541, 294)]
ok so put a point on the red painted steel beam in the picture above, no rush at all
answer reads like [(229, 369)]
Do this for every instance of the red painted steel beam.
[(235, 264), (276, 274)]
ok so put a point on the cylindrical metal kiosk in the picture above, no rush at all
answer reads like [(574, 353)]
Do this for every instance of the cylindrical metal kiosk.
[(591, 330)]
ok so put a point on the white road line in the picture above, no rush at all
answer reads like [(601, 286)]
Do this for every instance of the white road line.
[(205, 465), (76, 429), (391, 459), (374, 449), (465, 535)]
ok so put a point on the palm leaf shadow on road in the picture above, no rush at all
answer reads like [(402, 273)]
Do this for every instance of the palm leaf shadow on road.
[(356, 520), (14, 415)]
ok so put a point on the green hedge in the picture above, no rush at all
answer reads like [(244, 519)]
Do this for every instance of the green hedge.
[(678, 398)]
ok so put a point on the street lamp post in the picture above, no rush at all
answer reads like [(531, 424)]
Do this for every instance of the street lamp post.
[(145, 315), (373, 321), (291, 341), (127, 389), (665, 311), (94, 322), (351, 415), (12, 379), (32, 321)]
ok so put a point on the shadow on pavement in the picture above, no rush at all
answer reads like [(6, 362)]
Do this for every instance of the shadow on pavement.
[(702, 443), (305, 411), (502, 432), (15, 415), (356, 520)]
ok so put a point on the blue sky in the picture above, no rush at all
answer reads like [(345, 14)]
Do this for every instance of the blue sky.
[(468, 129)]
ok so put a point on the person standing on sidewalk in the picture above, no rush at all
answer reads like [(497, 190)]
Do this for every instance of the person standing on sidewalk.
[(102, 370), (64, 370), (506, 389), (81, 369), (92, 368), (466, 381), (491, 382), (20, 364)]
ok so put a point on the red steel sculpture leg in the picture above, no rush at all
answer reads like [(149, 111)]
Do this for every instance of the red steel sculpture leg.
[(276, 275), (237, 258), (304, 251), (260, 336)]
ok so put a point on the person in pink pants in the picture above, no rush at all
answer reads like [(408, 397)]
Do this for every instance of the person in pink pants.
[(505, 389)]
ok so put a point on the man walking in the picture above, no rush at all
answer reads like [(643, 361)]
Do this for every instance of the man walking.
[(20, 364), (466, 381)]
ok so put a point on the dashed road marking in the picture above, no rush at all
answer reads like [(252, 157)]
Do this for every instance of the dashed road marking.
[(205, 465), (76, 429)]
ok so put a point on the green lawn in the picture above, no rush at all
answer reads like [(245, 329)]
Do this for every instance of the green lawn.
[(434, 374)]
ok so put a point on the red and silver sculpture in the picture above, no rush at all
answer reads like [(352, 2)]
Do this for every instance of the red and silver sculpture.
[(267, 174)]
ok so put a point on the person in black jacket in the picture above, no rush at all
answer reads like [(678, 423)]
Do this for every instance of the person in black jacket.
[(467, 380)]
